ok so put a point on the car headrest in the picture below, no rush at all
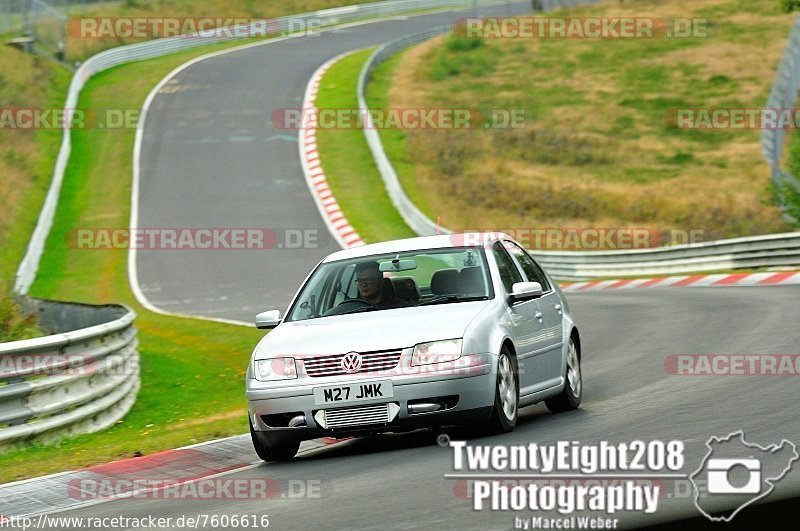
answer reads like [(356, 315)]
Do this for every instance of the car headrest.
[(388, 288), (405, 288), (444, 282), (470, 280)]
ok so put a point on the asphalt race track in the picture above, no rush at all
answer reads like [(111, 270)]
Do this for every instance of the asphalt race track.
[(397, 481), (211, 158)]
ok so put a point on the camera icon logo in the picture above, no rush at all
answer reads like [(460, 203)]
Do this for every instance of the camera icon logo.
[(735, 474), (719, 472)]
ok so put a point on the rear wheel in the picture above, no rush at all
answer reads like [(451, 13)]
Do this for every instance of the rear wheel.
[(505, 411), (274, 452), (570, 397)]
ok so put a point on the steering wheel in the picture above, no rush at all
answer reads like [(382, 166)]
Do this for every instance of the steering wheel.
[(342, 307), (364, 302)]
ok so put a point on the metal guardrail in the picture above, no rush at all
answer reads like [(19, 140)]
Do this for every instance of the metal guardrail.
[(159, 47), (784, 96), (778, 250), (773, 250), (82, 379)]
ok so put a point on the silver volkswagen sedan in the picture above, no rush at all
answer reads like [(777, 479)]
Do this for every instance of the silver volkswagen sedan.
[(459, 329)]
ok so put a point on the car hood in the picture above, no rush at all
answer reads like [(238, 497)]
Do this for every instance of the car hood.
[(369, 331)]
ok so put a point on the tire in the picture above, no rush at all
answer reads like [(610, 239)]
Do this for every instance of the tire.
[(570, 397), (275, 452), (506, 397)]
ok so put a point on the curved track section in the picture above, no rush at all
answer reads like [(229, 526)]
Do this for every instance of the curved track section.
[(211, 158)]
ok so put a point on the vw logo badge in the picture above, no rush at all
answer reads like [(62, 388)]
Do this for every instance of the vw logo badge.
[(351, 362)]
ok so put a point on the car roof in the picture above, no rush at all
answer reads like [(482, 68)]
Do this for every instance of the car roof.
[(471, 239)]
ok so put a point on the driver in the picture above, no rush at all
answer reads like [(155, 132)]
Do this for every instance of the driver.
[(370, 287)]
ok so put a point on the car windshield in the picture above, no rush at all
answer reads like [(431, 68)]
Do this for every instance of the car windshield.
[(391, 281)]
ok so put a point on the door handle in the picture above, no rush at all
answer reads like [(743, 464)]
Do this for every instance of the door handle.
[(558, 307), (538, 315)]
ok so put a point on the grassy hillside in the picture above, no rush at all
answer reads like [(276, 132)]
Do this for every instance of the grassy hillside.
[(596, 149), (26, 156)]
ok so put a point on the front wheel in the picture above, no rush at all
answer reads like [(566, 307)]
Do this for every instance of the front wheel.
[(505, 411), (275, 452), (570, 397)]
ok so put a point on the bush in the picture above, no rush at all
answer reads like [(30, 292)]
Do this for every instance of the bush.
[(463, 55), (546, 146), (790, 5), (790, 196), (462, 43), (14, 323)]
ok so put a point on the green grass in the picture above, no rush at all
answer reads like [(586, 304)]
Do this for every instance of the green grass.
[(348, 162), (192, 371)]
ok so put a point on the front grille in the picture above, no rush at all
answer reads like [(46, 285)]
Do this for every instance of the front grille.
[(382, 360), (357, 416)]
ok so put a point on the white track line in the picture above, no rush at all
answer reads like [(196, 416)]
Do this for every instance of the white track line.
[(133, 275), (133, 278)]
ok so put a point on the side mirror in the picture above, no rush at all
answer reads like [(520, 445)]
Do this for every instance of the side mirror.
[(524, 291), (270, 319)]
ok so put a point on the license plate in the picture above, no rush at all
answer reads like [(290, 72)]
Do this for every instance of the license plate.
[(357, 392)]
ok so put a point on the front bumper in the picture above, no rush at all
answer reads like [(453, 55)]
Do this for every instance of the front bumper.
[(469, 393)]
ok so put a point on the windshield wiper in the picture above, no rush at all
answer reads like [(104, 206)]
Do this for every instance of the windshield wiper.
[(445, 299)]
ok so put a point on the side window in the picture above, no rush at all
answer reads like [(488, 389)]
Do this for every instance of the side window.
[(532, 270), (346, 285), (509, 273)]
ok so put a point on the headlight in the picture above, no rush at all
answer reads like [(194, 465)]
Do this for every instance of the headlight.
[(436, 352), (275, 369)]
